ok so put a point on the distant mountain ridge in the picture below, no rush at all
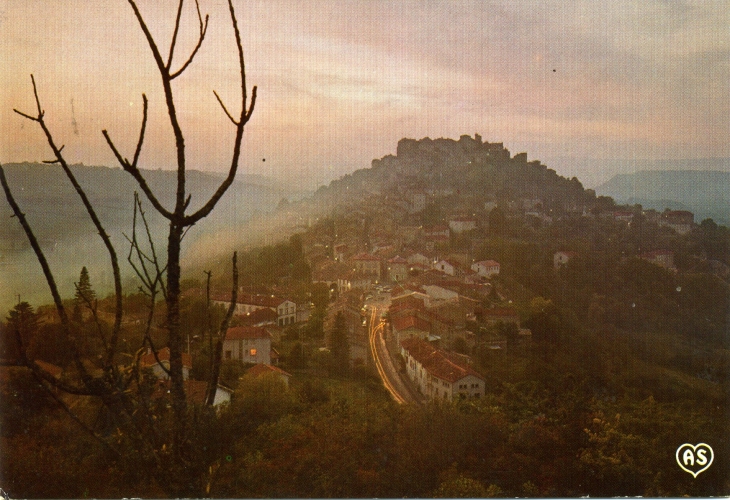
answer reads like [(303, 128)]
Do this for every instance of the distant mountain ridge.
[(68, 237), (52, 205), (706, 193)]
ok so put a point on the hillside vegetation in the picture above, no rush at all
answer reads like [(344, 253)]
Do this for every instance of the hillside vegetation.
[(629, 357)]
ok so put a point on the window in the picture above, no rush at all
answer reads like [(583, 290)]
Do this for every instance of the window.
[(252, 352), (229, 354)]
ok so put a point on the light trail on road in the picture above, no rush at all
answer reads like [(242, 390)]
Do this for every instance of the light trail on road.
[(374, 329)]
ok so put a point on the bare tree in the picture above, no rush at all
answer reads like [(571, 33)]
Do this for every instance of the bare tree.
[(168, 459)]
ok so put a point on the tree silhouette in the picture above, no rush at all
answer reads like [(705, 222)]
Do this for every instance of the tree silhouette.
[(85, 295), (168, 457), (340, 346), (22, 326)]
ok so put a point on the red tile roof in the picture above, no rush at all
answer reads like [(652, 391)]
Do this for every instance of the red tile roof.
[(406, 322), (194, 390), (437, 362), (258, 316), (247, 332), (489, 263), (263, 368)]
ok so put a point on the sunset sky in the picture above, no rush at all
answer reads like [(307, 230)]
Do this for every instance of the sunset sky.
[(340, 82)]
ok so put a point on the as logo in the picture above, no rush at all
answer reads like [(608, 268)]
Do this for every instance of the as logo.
[(694, 458)]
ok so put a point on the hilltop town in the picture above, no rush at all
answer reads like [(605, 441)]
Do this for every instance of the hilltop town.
[(462, 245), (452, 289)]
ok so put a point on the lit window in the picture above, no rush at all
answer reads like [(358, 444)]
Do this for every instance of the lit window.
[(252, 352)]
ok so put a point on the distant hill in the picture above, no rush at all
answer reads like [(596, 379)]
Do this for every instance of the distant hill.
[(67, 235), (705, 193), (468, 167)]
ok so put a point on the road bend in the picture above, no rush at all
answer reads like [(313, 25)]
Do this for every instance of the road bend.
[(383, 362)]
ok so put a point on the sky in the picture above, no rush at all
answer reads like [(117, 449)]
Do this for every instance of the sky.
[(340, 82)]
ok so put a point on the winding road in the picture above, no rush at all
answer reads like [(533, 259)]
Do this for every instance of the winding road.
[(384, 363)]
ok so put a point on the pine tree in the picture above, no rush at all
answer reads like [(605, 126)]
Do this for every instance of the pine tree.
[(340, 346), (23, 323), (85, 295)]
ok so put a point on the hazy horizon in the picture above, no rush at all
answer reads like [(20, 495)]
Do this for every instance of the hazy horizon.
[(572, 84)]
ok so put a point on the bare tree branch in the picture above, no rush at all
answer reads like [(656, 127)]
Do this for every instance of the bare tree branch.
[(203, 30), (174, 34), (132, 167), (65, 323), (225, 110), (141, 133), (171, 110), (108, 365), (222, 330), (240, 124), (76, 418)]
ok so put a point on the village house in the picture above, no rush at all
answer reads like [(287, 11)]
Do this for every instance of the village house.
[(356, 280), (438, 295), (462, 224), (409, 326), (662, 258), (420, 259), (286, 310), (496, 315), (303, 312), (623, 216), (436, 233), (681, 221), (439, 374), (259, 317), (367, 264), (196, 390), (340, 252), (486, 268), (397, 269), (333, 274), (561, 258), (160, 369), (247, 344), (449, 267)]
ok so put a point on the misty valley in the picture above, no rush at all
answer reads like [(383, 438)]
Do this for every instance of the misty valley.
[(229, 305)]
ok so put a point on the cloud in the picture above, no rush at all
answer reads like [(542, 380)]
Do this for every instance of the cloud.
[(341, 82)]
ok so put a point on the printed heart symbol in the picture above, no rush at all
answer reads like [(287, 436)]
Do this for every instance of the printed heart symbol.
[(694, 458)]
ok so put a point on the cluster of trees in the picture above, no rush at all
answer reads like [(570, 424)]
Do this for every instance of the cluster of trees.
[(327, 437)]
